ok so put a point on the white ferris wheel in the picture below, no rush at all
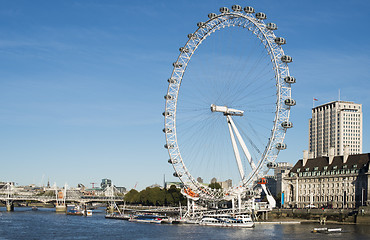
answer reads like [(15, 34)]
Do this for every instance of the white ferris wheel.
[(228, 104)]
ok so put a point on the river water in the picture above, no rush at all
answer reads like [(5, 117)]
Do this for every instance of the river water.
[(44, 223)]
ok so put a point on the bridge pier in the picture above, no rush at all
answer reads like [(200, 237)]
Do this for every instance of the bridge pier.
[(60, 208), (10, 207), (110, 208)]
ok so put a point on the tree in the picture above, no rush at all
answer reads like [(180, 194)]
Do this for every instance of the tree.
[(215, 185), (132, 196), (155, 196)]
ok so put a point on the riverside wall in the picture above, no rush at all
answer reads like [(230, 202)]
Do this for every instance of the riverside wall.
[(354, 216)]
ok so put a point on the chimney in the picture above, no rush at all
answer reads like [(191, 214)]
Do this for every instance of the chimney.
[(331, 155), (305, 157), (345, 153)]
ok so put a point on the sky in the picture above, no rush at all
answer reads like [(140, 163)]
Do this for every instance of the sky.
[(82, 82)]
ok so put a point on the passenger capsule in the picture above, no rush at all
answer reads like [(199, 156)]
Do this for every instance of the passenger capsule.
[(289, 102), (172, 80), (212, 15), (172, 161), (280, 41), (281, 146), (167, 114), (224, 10), (236, 8), (184, 49), (286, 59), (168, 97), (168, 146), (201, 24), (261, 15), (177, 65), (289, 79), (175, 174), (192, 36), (271, 26), (271, 165), (249, 9), (262, 181), (167, 130), (287, 124)]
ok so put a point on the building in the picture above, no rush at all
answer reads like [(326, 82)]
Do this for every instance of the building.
[(335, 125), (332, 181), (282, 169), (105, 183), (176, 184), (226, 184), (271, 185), (200, 180)]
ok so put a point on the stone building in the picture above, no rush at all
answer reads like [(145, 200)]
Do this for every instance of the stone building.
[(280, 172), (226, 184), (271, 185), (333, 182)]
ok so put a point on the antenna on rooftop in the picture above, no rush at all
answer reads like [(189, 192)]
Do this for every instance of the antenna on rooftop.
[(339, 94)]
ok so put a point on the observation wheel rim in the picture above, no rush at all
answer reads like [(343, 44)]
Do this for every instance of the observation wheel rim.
[(171, 104)]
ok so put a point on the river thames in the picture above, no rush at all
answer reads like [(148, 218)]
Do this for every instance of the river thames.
[(46, 224)]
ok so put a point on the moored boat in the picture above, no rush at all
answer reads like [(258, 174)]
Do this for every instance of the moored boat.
[(147, 218), (327, 230), (116, 215), (75, 212), (225, 220)]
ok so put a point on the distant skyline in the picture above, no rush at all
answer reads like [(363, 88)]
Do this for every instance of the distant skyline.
[(82, 83)]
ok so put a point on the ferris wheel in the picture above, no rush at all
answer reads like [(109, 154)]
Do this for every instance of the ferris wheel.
[(228, 104)]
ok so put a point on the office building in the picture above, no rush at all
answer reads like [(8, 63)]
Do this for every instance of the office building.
[(335, 125)]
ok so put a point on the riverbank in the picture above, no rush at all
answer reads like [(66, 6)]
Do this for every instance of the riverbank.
[(323, 216)]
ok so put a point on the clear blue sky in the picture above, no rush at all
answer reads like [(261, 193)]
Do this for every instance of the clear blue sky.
[(82, 82)]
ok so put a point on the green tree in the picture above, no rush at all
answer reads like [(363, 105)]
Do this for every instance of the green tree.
[(132, 196), (215, 185)]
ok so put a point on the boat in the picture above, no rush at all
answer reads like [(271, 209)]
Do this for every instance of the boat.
[(327, 230), (169, 220), (226, 220), (88, 213), (76, 211), (117, 215), (147, 218)]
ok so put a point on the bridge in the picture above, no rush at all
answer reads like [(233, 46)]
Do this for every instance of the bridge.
[(61, 196)]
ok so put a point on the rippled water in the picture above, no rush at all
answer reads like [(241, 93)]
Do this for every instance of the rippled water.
[(46, 224)]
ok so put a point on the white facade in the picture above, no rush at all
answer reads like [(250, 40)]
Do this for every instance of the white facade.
[(335, 125), (332, 182), (280, 172)]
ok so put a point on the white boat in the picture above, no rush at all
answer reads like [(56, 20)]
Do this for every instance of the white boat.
[(225, 220), (88, 213), (116, 215), (146, 218), (327, 230)]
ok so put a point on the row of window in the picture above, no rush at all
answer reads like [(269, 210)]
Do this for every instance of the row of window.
[(332, 172)]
